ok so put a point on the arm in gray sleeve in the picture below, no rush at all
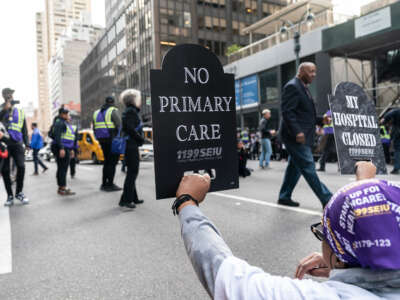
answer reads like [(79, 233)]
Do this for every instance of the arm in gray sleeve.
[(204, 245), (116, 119)]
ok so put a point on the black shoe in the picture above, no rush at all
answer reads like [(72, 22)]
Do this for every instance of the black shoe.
[(288, 202), (396, 172), (104, 188), (138, 201), (113, 188), (128, 205), (321, 170)]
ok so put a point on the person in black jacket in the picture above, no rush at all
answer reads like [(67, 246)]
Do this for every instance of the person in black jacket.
[(62, 147), (393, 118), (297, 132), (13, 119), (132, 129)]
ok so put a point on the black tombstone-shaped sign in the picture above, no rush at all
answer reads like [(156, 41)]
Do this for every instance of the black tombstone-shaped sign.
[(194, 120), (356, 128)]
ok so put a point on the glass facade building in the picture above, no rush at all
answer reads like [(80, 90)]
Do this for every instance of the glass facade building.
[(138, 38)]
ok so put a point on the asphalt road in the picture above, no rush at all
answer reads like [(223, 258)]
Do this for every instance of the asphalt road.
[(86, 247)]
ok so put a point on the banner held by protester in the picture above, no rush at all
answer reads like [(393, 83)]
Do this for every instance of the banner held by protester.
[(194, 120), (356, 128)]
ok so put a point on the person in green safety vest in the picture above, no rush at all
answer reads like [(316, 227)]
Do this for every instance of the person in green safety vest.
[(14, 120), (74, 152), (385, 139), (62, 145), (328, 140), (245, 137), (106, 124)]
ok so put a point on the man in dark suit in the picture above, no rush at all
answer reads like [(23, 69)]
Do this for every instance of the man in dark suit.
[(297, 132)]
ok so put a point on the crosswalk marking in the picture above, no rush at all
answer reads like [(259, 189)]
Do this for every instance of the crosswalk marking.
[(5, 241), (274, 205)]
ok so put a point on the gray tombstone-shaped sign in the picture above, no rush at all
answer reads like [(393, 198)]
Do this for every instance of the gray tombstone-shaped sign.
[(194, 120), (356, 128)]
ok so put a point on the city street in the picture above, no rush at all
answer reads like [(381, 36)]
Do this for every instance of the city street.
[(86, 247)]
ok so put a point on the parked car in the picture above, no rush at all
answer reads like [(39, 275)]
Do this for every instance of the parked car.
[(89, 147), (46, 153), (28, 155), (146, 151)]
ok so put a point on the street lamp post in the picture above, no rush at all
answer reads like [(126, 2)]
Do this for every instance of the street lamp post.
[(309, 18)]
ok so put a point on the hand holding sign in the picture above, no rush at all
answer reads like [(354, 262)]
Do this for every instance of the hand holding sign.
[(195, 185)]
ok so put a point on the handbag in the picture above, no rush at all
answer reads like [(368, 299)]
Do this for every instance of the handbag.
[(118, 144)]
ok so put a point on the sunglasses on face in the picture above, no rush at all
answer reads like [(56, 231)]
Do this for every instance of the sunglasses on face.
[(317, 229)]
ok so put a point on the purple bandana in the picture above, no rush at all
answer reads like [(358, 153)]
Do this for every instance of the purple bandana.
[(362, 224)]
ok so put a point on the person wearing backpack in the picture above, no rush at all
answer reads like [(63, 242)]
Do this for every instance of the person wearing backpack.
[(106, 123), (13, 119), (62, 146), (36, 145)]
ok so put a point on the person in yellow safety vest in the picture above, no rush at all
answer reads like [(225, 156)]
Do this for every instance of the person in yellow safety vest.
[(328, 139), (13, 119), (62, 146), (245, 137), (385, 139), (106, 123), (74, 152)]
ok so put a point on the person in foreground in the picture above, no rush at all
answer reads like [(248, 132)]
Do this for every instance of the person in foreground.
[(297, 133), (360, 235)]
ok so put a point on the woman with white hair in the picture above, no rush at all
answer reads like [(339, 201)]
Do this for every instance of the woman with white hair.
[(132, 128)]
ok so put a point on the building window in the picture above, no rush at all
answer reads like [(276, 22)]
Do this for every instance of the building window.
[(269, 85)]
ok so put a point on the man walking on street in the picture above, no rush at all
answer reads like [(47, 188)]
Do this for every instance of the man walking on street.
[(393, 118), (106, 124), (14, 120), (266, 133), (36, 145), (297, 131), (63, 142)]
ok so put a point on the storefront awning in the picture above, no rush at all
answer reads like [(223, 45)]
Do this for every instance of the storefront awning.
[(292, 13), (366, 37)]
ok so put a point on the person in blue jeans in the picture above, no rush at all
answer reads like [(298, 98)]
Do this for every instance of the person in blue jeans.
[(266, 133), (36, 145), (297, 132)]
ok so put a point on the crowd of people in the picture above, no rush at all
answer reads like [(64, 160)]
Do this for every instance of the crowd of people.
[(354, 269), (108, 125)]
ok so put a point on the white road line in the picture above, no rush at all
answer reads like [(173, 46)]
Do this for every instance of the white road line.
[(5, 241), (255, 201), (86, 168)]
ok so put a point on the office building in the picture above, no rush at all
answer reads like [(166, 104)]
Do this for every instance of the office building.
[(137, 39), (50, 25), (63, 68)]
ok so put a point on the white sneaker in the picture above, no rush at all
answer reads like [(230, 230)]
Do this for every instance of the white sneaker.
[(21, 197), (10, 201)]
